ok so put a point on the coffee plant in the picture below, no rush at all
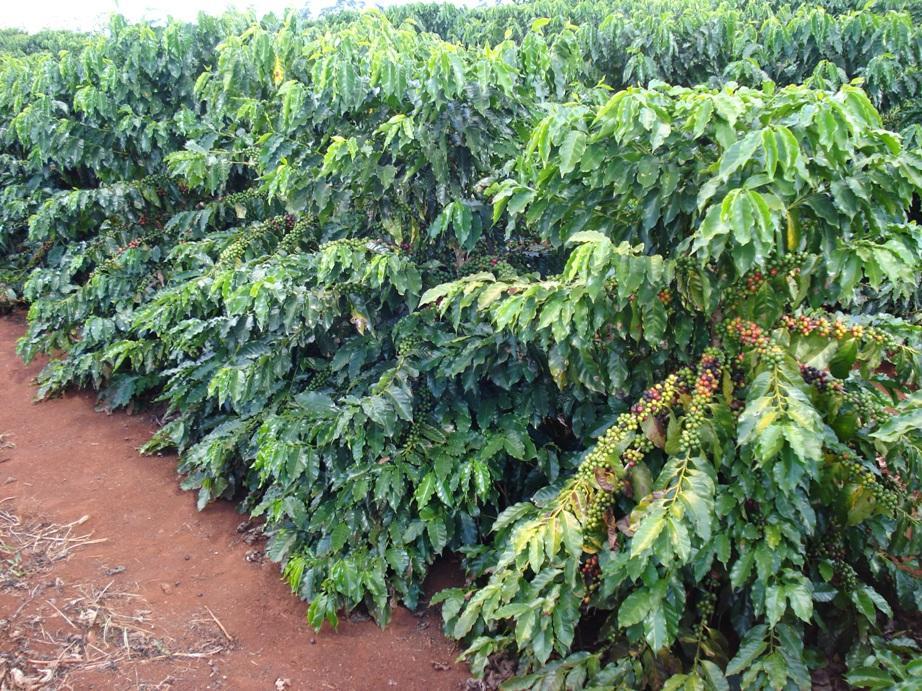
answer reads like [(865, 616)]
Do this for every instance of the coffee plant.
[(620, 306), (19, 42)]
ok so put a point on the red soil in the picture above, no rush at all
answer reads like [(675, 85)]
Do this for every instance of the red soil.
[(70, 460)]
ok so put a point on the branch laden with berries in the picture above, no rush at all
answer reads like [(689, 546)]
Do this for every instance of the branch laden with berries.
[(685, 534)]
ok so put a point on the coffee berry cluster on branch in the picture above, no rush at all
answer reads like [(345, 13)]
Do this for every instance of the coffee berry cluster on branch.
[(821, 379), (295, 237), (788, 265), (867, 406), (408, 344), (706, 384), (498, 266), (752, 336), (832, 547), (422, 406), (276, 225), (603, 459), (804, 325), (242, 198), (889, 500)]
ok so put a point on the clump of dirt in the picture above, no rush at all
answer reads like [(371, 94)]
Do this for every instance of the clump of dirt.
[(62, 630), (251, 533), (500, 667)]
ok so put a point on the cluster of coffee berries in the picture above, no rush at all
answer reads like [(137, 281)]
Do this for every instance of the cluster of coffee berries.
[(131, 245), (835, 328), (845, 575), (407, 344), (706, 385), (887, 499), (351, 243), (235, 250), (422, 406), (654, 401), (832, 545), (738, 379), (738, 375), (660, 397), (160, 181), (750, 283), (634, 455), (709, 371), (752, 336), (707, 604), (805, 325), (413, 437), (496, 265), (595, 512), (747, 333), (242, 198), (422, 401), (866, 405), (590, 568), (249, 153), (890, 478), (665, 296), (773, 355), (295, 236), (280, 224), (113, 261), (789, 263), (437, 277), (320, 379), (356, 290), (753, 281), (821, 379)]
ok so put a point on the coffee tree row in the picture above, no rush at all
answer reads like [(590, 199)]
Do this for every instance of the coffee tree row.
[(646, 356)]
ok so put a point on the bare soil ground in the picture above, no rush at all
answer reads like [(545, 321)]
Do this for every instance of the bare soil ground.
[(110, 578)]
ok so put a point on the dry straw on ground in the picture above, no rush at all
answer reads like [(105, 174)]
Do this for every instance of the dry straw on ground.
[(60, 631)]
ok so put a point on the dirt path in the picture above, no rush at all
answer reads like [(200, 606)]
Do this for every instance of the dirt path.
[(70, 461)]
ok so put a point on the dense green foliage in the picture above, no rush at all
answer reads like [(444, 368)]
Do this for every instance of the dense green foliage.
[(19, 42), (644, 353)]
